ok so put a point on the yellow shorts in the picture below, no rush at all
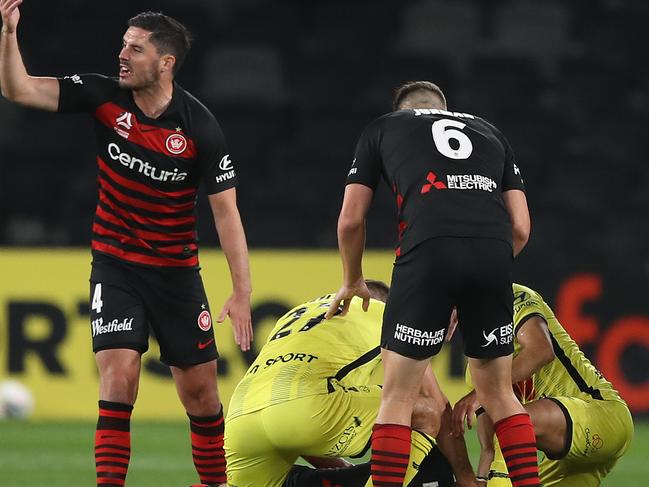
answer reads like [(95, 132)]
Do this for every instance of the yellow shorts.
[(599, 433), (261, 447)]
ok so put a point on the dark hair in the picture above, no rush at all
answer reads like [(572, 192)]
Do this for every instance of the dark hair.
[(378, 289), (410, 87), (167, 34)]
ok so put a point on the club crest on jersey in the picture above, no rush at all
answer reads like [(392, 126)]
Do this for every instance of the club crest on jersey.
[(204, 320), (176, 143), (124, 124)]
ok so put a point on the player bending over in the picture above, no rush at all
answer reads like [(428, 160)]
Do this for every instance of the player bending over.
[(308, 394), (582, 424)]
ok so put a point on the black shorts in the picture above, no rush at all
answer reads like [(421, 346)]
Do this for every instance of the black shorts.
[(126, 299), (473, 274)]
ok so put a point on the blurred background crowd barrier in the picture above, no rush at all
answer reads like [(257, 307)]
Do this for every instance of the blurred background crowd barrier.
[(293, 83)]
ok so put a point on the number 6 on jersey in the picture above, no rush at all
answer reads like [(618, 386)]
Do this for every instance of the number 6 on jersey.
[(442, 135)]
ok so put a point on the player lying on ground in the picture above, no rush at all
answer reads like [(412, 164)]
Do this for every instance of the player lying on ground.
[(308, 394), (582, 424)]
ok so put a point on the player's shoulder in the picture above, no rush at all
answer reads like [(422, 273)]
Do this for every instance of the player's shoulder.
[(525, 294), (528, 303), (194, 105)]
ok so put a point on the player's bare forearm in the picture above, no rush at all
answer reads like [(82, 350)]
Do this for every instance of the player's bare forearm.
[(235, 248), (351, 230), (351, 242), (485, 428), (232, 238), (519, 215), (15, 83), (536, 349), (233, 242), (454, 449)]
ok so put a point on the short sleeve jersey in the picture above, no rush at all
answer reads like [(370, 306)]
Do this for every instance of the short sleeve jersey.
[(149, 170), (570, 374), (306, 355), (447, 171)]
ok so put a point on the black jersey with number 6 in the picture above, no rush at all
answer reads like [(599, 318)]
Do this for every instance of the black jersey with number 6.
[(447, 170)]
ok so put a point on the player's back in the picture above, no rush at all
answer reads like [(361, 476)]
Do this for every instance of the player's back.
[(307, 355), (448, 171), (570, 374)]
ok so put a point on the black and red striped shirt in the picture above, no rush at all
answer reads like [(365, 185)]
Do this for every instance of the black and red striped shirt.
[(149, 170)]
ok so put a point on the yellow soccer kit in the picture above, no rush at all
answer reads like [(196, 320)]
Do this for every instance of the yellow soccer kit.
[(600, 426), (308, 393)]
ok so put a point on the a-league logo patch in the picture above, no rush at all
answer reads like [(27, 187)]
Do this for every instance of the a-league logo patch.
[(204, 320), (176, 143)]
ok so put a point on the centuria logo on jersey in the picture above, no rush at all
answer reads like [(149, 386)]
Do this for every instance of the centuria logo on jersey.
[(176, 143), (204, 320)]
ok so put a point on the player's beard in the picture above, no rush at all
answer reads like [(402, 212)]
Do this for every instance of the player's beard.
[(145, 79)]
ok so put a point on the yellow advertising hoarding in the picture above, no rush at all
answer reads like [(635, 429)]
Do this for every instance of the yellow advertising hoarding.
[(45, 338)]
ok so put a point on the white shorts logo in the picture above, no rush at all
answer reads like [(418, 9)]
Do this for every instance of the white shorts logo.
[(418, 337), (503, 335), (98, 327)]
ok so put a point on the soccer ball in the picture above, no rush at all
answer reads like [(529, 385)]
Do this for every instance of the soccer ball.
[(16, 401)]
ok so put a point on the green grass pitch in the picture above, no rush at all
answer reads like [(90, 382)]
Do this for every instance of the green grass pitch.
[(61, 455)]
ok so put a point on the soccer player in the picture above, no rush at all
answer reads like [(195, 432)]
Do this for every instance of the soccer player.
[(156, 143), (582, 424), (462, 217), (308, 394)]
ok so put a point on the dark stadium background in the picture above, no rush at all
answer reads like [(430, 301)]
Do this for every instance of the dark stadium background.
[(294, 82)]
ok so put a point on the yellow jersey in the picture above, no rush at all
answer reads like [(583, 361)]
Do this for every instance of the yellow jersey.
[(305, 355), (570, 374)]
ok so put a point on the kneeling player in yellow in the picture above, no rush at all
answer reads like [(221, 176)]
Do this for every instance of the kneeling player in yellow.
[(308, 394), (582, 425)]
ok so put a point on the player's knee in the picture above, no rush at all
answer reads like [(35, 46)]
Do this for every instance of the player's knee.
[(426, 415), (119, 384), (200, 399)]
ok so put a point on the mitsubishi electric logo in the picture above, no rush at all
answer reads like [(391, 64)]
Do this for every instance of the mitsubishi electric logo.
[(125, 123)]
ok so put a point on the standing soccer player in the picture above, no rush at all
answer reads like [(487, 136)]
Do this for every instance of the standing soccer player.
[(462, 217), (156, 143)]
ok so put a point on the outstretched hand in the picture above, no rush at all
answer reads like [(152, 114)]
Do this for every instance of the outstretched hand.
[(345, 295), (464, 410), (10, 14), (237, 307)]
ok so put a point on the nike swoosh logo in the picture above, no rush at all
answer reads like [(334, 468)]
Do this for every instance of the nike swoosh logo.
[(203, 346)]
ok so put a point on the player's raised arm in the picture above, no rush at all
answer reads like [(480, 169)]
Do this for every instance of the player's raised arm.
[(15, 83), (233, 242), (516, 204)]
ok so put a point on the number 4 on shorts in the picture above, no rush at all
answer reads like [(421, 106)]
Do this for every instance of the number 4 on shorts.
[(97, 303)]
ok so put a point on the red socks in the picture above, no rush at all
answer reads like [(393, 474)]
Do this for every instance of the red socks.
[(207, 447), (390, 454), (518, 445), (113, 443)]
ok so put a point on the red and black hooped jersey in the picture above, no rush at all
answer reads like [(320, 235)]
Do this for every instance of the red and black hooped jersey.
[(447, 170), (149, 170)]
